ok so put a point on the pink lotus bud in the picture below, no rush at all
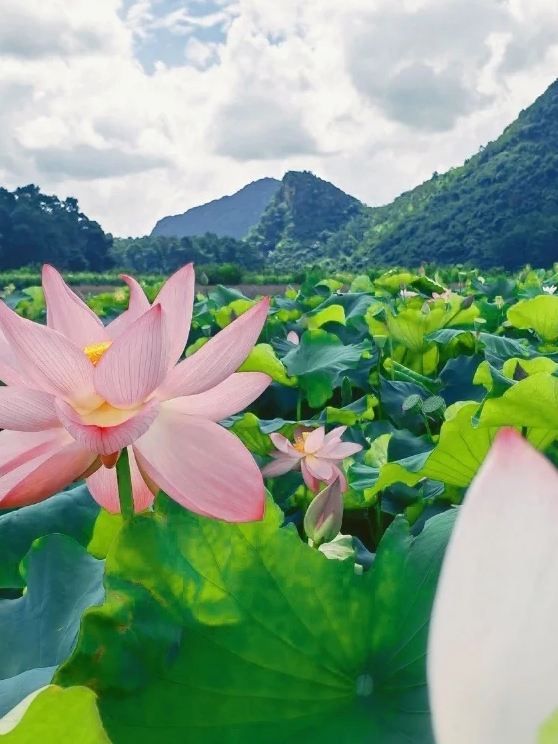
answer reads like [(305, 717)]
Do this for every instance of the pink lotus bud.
[(292, 336), (323, 517)]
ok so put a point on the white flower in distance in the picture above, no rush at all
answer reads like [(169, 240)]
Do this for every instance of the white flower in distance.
[(550, 289), (493, 651), (406, 294)]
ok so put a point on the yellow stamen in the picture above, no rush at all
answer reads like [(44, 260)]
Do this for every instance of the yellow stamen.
[(96, 351), (300, 440)]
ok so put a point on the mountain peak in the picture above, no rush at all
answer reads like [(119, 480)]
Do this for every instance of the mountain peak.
[(305, 209), (229, 216)]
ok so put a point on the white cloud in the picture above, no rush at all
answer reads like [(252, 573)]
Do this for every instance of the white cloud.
[(372, 94)]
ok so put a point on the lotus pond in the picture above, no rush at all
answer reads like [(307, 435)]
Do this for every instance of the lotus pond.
[(308, 620)]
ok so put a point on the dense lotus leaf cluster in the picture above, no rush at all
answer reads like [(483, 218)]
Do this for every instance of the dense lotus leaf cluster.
[(175, 627)]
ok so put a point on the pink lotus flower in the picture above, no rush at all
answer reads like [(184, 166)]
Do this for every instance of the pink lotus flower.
[(492, 651), (315, 453), (446, 295), (292, 337), (78, 392)]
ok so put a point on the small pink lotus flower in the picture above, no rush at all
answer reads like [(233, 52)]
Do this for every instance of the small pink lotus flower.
[(315, 452), (446, 295), (292, 336), (78, 392)]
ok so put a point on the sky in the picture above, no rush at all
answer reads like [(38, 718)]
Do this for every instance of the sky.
[(144, 108)]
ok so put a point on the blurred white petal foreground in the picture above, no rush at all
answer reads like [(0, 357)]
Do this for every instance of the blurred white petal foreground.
[(493, 647)]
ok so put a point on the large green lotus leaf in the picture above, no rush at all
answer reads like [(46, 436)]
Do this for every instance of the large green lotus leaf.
[(71, 512), (319, 362), (106, 528), (458, 454), (531, 402), (59, 716), (498, 348), (262, 358), (411, 326), (377, 473), (354, 304), (461, 448), (320, 351), (225, 315), (539, 313), (528, 366), (216, 633), (394, 280), (247, 429), (39, 629), (330, 314)]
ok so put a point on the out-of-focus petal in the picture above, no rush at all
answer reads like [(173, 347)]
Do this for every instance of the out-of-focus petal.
[(50, 360), (69, 314), (229, 397), (136, 362), (106, 439), (493, 657), (18, 447), (22, 409), (104, 487), (283, 445), (10, 373), (339, 450), (176, 297), (278, 466), (218, 358), (314, 440), (320, 469), (137, 306), (202, 466), (45, 475)]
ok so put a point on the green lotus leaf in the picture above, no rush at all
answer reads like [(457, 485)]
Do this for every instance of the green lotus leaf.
[(248, 429), (461, 448), (539, 314), (319, 362), (262, 358), (330, 314), (71, 512), (245, 633), (225, 315), (531, 402), (39, 629), (56, 716)]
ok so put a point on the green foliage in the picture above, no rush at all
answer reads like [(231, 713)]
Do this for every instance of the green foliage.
[(36, 228), (304, 211), (72, 512), (213, 632), (59, 715), (40, 628), (270, 640), (221, 259), (498, 209)]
